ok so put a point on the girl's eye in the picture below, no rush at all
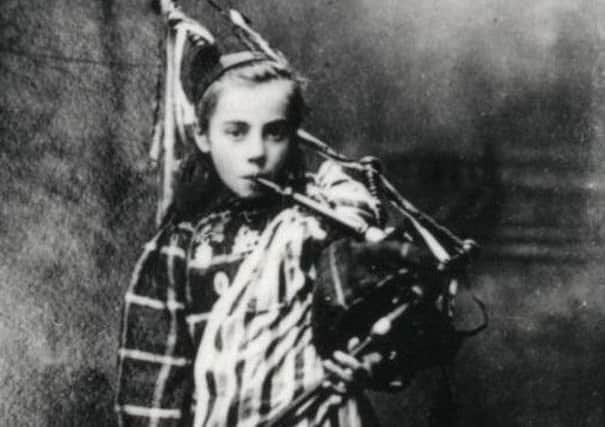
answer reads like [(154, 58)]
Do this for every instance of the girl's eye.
[(277, 131), (236, 131)]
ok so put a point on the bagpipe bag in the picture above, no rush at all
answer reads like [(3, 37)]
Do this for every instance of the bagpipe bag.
[(357, 287)]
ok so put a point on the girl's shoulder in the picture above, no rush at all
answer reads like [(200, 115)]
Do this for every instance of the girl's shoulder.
[(171, 237), (343, 191)]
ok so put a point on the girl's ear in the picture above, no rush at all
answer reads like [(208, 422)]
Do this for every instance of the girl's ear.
[(201, 140)]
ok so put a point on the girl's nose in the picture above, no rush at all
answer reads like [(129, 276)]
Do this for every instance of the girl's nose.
[(256, 148)]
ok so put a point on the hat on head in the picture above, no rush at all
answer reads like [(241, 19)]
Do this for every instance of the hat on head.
[(207, 65)]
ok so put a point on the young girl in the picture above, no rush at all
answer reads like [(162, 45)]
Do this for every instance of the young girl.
[(217, 319)]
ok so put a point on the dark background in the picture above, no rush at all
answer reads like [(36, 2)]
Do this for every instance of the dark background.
[(488, 114)]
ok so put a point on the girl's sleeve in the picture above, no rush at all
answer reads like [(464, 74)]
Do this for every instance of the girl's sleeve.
[(156, 352), (346, 194), (351, 199)]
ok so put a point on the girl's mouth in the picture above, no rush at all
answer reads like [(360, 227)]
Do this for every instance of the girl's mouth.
[(255, 176)]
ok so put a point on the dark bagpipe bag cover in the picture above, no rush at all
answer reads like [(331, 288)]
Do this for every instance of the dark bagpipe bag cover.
[(355, 288)]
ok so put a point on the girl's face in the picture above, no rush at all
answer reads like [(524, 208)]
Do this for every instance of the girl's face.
[(249, 134)]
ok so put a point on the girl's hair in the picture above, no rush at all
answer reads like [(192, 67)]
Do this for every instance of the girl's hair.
[(250, 73), (198, 183)]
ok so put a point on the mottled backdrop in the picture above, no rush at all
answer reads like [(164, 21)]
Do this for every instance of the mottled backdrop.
[(489, 114)]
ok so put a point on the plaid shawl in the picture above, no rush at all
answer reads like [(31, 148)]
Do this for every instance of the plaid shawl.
[(237, 358)]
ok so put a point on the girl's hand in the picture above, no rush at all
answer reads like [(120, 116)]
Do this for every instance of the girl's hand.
[(346, 372)]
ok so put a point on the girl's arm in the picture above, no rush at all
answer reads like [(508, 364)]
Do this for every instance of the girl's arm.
[(155, 355), (350, 198)]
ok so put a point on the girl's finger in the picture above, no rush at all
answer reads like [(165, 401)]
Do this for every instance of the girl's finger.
[(360, 372), (339, 387), (340, 373), (370, 361), (353, 342), (347, 360)]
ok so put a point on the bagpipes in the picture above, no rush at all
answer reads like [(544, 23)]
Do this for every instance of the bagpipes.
[(407, 312)]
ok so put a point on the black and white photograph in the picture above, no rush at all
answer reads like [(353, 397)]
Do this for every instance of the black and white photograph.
[(318, 213)]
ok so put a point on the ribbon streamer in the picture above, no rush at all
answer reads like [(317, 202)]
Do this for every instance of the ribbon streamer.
[(170, 131)]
